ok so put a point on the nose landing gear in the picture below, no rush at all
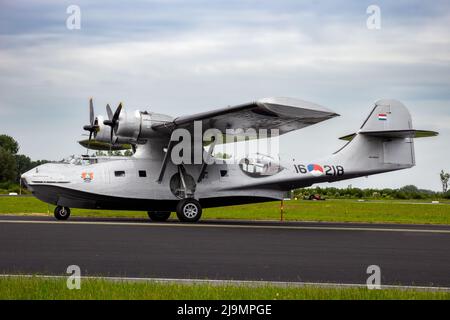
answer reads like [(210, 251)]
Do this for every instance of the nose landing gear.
[(62, 213)]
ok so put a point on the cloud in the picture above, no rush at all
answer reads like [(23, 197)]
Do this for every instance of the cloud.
[(177, 57)]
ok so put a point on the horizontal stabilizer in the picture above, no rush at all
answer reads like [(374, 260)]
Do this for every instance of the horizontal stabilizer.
[(409, 133)]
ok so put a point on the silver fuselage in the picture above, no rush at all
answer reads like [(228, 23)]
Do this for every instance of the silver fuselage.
[(118, 183)]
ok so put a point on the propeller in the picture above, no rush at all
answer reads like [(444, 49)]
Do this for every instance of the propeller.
[(108, 111), (92, 127), (113, 119)]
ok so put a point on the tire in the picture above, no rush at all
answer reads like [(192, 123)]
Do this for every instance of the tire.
[(62, 213), (189, 210), (159, 215)]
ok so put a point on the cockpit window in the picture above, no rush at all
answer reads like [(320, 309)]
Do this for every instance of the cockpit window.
[(80, 161)]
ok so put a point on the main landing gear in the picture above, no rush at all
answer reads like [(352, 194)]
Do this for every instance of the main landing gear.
[(159, 215), (188, 210), (62, 213)]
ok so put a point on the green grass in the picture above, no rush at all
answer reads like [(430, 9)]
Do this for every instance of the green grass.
[(394, 211), (51, 289), (29, 205), (340, 211)]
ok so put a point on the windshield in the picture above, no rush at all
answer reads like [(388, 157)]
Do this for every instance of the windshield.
[(80, 160)]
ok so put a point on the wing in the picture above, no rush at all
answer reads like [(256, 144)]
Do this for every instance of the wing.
[(284, 114)]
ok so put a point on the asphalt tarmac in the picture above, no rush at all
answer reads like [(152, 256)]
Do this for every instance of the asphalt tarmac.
[(409, 255)]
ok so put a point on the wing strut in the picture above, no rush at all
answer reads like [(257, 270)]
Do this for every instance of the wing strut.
[(183, 182), (166, 159), (185, 189), (205, 161)]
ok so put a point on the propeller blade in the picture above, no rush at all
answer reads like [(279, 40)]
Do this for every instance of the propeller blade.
[(96, 127), (117, 113), (112, 135), (92, 126), (89, 141), (91, 112), (109, 112)]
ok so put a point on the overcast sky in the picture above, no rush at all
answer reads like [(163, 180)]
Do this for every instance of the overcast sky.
[(181, 57)]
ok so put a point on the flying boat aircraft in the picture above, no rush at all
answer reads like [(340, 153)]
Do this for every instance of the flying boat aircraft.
[(151, 180)]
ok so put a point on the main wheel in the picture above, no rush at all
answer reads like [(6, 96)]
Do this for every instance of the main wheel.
[(159, 215), (189, 210), (62, 213)]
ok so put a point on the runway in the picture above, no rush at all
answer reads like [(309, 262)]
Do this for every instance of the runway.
[(410, 255)]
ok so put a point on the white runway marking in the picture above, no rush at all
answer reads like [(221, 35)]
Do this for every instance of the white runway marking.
[(234, 282), (230, 226)]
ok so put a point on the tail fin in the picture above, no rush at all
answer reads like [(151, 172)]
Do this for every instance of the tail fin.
[(387, 115), (385, 139)]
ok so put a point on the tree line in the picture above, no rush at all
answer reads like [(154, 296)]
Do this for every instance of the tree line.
[(406, 192), (13, 164)]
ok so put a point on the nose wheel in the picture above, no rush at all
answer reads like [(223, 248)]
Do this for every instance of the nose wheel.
[(189, 210), (62, 213)]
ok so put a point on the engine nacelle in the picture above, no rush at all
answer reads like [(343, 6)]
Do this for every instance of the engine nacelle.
[(103, 134), (137, 125), (129, 125)]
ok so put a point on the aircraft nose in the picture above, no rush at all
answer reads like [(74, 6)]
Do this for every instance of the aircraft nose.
[(28, 177), (44, 174), (25, 179)]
